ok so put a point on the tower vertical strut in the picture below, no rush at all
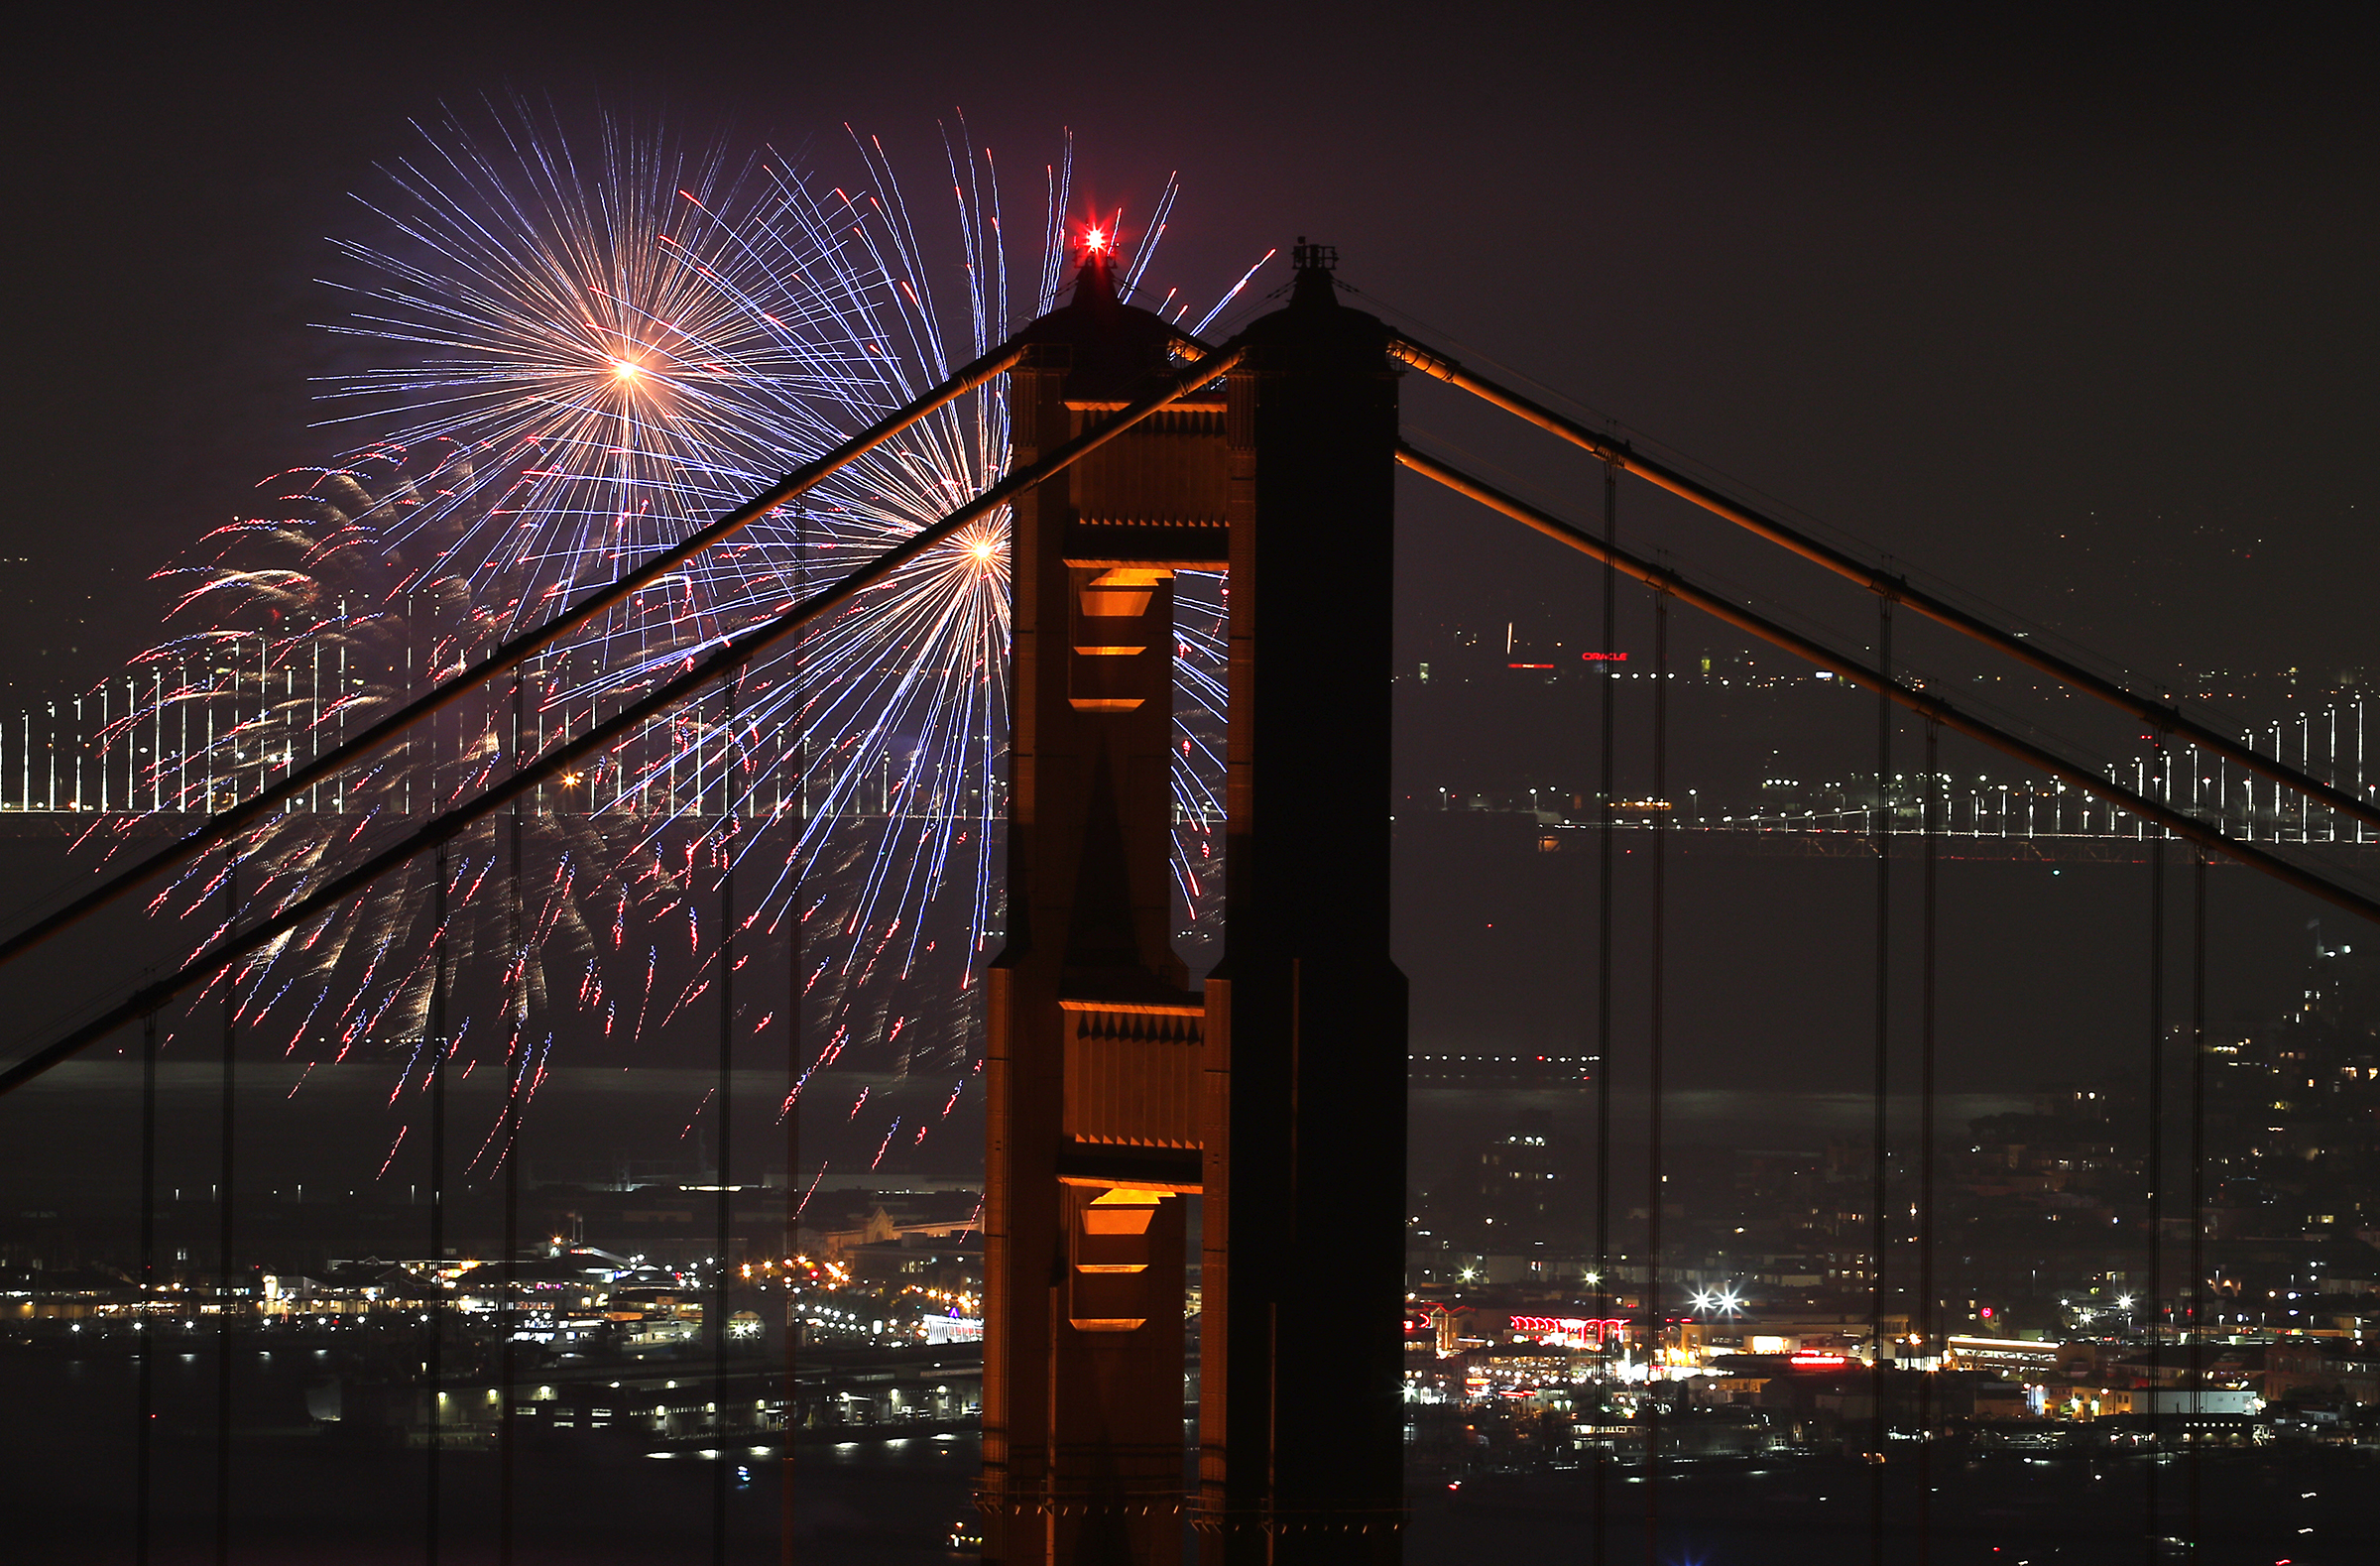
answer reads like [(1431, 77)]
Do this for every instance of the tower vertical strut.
[(1092, 1041), (1302, 1432)]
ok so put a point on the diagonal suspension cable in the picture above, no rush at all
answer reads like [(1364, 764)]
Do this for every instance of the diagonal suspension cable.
[(2161, 716), (223, 825), (1924, 703), (731, 653)]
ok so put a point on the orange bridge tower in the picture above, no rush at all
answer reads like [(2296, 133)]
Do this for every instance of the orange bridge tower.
[(1116, 1094)]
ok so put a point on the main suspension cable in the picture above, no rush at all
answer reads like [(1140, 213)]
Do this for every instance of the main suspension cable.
[(1925, 703), (223, 825), (731, 651), (2160, 716)]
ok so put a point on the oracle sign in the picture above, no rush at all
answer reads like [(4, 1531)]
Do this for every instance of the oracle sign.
[(1601, 1328)]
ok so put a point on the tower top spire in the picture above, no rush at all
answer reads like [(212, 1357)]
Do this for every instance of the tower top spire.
[(1314, 265), (1095, 275)]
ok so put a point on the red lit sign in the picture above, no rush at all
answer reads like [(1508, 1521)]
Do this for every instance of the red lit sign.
[(1600, 1328), (1528, 665), (1819, 1361), (1604, 658)]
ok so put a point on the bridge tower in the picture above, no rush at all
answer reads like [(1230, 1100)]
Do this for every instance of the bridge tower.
[(1301, 1410), (1114, 1092)]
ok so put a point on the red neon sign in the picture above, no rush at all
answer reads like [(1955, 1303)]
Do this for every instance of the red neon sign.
[(1604, 658), (1528, 665), (1814, 1361), (1600, 1328)]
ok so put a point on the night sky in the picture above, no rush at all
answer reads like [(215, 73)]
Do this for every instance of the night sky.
[(2078, 318)]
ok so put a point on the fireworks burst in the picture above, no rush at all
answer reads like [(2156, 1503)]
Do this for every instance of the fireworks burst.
[(572, 359)]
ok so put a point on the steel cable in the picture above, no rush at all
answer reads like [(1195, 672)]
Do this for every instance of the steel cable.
[(1603, 1014), (1881, 830)]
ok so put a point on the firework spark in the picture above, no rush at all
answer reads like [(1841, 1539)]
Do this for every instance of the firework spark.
[(571, 357)]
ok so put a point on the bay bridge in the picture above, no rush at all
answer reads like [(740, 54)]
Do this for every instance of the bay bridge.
[(182, 738), (1272, 1093)]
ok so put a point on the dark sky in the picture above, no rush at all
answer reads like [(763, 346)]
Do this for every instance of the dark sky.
[(2081, 317)]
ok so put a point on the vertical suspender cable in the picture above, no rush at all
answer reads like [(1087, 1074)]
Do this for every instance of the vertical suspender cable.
[(2197, 1169), (1603, 1004), (1654, 1311), (794, 1053), (2156, 1291), (515, 1087), (433, 1365), (723, 837), (145, 1324), (1928, 1310), (224, 1277), (1882, 832)]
